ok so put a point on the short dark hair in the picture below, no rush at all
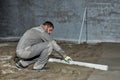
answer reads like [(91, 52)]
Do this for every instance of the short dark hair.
[(49, 23)]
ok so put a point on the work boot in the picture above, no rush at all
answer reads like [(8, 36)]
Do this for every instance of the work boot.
[(19, 65), (40, 67)]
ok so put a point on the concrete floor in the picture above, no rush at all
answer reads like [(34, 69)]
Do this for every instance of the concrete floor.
[(109, 54), (110, 57)]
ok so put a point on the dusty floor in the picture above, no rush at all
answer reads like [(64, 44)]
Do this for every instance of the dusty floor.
[(57, 71)]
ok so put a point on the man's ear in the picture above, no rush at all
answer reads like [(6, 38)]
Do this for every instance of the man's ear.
[(46, 27)]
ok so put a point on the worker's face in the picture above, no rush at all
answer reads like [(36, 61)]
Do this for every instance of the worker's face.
[(48, 29)]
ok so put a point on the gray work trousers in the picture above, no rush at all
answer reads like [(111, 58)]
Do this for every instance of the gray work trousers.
[(43, 50)]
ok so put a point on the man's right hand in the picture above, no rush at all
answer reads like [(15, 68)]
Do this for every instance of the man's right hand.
[(68, 59)]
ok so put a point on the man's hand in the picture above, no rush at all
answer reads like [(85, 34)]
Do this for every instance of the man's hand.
[(68, 59)]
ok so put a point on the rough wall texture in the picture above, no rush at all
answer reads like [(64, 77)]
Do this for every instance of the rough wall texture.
[(19, 15), (101, 23), (103, 20), (15, 18)]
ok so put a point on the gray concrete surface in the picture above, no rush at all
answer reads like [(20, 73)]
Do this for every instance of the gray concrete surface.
[(110, 57), (16, 16), (103, 20)]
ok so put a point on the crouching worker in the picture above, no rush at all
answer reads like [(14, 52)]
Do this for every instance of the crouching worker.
[(36, 45)]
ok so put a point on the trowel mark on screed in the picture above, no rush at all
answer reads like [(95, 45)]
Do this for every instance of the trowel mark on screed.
[(6, 57), (3, 44), (7, 71), (3, 60)]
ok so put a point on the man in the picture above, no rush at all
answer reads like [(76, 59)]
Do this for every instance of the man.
[(36, 45)]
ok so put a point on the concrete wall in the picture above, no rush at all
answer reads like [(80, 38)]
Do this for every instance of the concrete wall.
[(103, 20), (19, 15), (101, 23), (15, 18)]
